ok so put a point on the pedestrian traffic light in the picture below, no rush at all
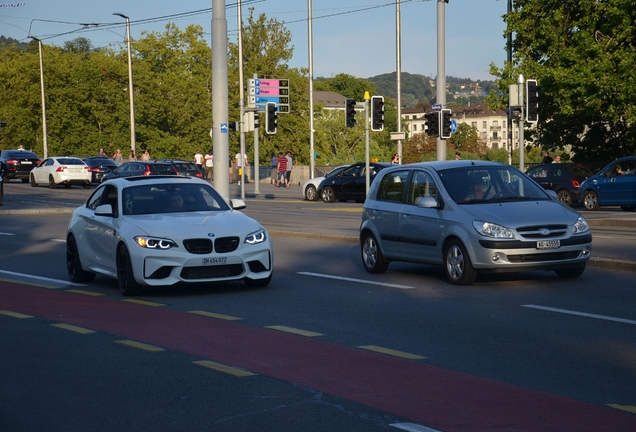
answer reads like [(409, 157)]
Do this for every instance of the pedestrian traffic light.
[(271, 118), (377, 113), (532, 97), (350, 112), (432, 123), (256, 120), (446, 124)]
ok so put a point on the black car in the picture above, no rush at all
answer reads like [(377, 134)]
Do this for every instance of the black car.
[(563, 178), (20, 163), (350, 184), (141, 168), (99, 167), (185, 168)]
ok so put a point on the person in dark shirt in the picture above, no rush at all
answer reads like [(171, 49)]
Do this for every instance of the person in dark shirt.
[(546, 158), (4, 170)]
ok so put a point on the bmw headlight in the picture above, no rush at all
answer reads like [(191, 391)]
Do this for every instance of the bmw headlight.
[(154, 242), (493, 230), (256, 237), (580, 226)]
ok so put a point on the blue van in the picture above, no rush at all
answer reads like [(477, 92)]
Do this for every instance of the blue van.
[(614, 185)]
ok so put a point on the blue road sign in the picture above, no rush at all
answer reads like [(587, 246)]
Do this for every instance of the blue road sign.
[(223, 127), (436, 107), (453, 126)]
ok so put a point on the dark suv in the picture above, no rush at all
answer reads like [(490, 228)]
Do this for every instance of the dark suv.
[(20, 163), (99, 167), (141, 168), (563, 178), (185, 168)]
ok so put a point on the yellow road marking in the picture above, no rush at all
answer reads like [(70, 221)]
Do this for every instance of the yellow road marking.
[(143, 302), (28, 283), (392, 352), (223, 368), (294, 331), (89, 293), (628, 408), (14, 314), (76, 329), (140, 345), (215, 315)]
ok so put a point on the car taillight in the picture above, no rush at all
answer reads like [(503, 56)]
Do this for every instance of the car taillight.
[(198, 175), (38, 162), (576, 183), (60, 169), (94, 169), (12, 162)]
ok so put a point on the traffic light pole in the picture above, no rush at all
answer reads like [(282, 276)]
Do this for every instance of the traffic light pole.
[(257, 178), (441, 70), (242, 174), (520, 83), (366, 148)]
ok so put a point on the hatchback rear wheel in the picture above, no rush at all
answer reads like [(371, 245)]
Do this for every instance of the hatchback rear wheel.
[(372, 256), (459, 270)]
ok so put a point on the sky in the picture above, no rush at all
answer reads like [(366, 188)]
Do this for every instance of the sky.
[(355, 37)]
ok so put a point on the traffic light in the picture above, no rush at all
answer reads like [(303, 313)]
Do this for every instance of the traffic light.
[(377, 113), (446, 124), (350, 112), (271, 118), (532, 97), (233, 126), (256, 120), (432, 123)]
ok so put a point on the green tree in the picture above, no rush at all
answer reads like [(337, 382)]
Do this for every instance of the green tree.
[(582, 54)]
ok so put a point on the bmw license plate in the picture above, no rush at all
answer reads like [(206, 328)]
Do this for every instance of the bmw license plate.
[(26, 163), (214, 261), (549, 244)]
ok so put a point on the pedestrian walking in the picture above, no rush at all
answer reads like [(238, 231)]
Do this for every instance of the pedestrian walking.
[(241, 163), (117, 157), (290, 165), (198, 160), (209, 166), (145, 156), (281, 170)]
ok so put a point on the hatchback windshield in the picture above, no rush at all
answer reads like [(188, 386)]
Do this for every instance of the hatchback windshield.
[(493, 184)]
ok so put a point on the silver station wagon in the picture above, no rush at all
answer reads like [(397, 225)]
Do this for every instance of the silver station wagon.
[(470, 217)]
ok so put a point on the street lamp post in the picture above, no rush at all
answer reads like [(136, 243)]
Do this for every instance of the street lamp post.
[(133, 143), (44, 132)]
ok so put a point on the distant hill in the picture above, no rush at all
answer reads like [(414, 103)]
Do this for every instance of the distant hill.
[(9, 41), (420, 89)]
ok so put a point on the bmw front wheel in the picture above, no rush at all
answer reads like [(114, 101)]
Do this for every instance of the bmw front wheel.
[(73, 264), (128, 286)]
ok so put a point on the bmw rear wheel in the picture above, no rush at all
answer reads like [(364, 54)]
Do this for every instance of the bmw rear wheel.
[(128, 286), (372, 256), (590, 201), (73, 264), (459, 270), (328, 195)]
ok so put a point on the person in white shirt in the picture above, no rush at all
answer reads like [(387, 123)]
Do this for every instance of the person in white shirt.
[(241, 167), (198, 160), (209, 166)]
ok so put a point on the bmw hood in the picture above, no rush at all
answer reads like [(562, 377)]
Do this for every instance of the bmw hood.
[(524, 213), (195, 224)]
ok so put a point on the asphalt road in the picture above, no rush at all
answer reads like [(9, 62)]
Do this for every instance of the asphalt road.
[(325, 347)]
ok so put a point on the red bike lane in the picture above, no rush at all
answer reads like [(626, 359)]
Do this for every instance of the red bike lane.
[(432, 396)]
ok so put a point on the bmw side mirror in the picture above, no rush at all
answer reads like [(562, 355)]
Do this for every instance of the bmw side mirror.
[(237, 204), (105, 210)]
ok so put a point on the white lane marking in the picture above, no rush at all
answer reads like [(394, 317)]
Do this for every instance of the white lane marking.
[(412, 427), (62, 282), (59, 240), (356, 280), (583, 314), (7, 234)]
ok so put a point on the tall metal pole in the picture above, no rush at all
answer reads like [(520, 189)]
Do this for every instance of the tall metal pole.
[(509, 124), (398, 68), (312, 162), (366, 147), (131, 93), (441, 70), (257, 158), (242, 176), (521, 83), (220, 99), (44, 130)]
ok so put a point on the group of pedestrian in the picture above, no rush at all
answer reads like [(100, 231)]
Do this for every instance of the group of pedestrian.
[(284, 165), (547, 159), (118, 157)]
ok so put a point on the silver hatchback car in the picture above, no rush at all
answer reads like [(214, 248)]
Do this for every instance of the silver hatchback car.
[(470, 217)]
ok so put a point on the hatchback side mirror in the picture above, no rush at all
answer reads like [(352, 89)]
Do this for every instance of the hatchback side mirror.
[(428, 202)]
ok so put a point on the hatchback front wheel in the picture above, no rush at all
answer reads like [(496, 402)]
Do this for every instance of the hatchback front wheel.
[(372, 256), (459, 270), (590, 201)]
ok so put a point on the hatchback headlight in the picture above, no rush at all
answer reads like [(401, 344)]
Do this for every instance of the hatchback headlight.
[(256, 237), (154, 243), (580, 226), (493, 230)]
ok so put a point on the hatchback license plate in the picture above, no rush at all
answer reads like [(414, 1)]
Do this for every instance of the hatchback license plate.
[(213, 261), (549, 244)]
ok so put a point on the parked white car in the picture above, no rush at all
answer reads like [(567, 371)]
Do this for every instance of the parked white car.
[(150, 231), (310, 188), (61, 170)]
